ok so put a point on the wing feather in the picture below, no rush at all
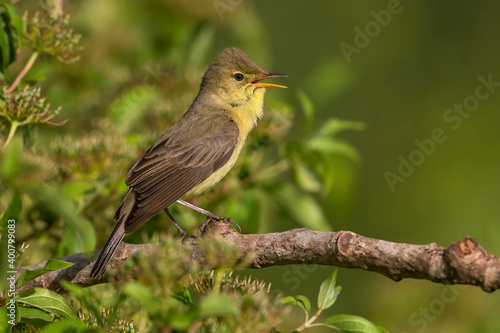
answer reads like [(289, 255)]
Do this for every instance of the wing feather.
[(181, 159)]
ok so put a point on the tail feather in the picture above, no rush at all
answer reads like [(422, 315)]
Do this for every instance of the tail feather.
[(108, 251), (116, 237)]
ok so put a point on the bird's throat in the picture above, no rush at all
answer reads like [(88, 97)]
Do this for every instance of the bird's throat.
[(246, 113)]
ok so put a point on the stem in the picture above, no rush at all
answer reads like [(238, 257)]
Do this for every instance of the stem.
[(13, 128), (23, 72), (309, 323)]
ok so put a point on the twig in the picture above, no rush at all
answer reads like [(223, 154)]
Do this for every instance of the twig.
[(463, 262), (23, 72)]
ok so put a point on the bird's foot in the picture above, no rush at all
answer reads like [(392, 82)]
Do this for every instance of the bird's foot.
[(212, 217), (184, 235)]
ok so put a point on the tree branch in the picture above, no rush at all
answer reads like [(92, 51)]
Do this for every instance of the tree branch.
[(463, 262)]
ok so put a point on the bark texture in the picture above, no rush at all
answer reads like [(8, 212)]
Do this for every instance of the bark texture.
[(463, 262)]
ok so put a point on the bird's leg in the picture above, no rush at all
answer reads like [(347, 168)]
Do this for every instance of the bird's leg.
[(209, 216), (182, 233), (201, 210)]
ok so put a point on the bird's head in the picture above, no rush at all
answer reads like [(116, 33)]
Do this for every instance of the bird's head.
[(236, 79)]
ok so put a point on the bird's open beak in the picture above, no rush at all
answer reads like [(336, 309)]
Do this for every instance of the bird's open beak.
[(268, 85)]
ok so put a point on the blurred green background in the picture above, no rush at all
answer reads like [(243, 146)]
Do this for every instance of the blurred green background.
[(140, 69)]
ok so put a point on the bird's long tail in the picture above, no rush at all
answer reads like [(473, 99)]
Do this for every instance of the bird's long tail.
[(116, 237), (108, 250)]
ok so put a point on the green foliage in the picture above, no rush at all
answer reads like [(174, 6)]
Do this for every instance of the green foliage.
[(35, 307), (51, 265), (80, 236), (45, 33), (13, 211), (327, 296), (46, 300), (73, 177), (50, 34), (26, 106), (64, 183), (350, 323), (168, 292), (328, 292), (66, 326), (11, 36)]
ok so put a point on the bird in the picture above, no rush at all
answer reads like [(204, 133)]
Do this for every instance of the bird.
[(197, 151)]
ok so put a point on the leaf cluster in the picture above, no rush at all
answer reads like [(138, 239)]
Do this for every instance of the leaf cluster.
[(327, 296), (45, 33), (51, 34)]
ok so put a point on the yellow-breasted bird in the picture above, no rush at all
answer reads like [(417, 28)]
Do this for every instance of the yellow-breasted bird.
[(195, 153)]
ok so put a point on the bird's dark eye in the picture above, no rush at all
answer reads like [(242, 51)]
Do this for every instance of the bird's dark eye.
[(238, 76)]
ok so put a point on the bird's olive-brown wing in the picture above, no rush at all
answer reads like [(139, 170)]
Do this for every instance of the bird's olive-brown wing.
[(182, 158)]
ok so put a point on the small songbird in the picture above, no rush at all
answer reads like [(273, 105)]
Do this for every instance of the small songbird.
[(195, 153)]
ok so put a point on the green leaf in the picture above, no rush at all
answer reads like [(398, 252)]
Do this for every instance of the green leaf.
[(34, 316), (11, 35), (330, 146), (328, 292), (80, 235), (138, 291), (308, 109), (67, 326), (11, 164), (301, 207), (218, 305), (78, 189), (180, 317), (183, 296), (200, 44), (86, 297), (243, 207), (7, 45), (325, 169), (13, 211), (299, 300), (46, 300), (73, 288), (351, 323), (305, 177), (34, 313), (333, 126), (16, 22), (52, 265), (142, 294)]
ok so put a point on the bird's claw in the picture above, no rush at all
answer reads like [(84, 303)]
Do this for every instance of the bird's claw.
[(234, 224), (229, 220)]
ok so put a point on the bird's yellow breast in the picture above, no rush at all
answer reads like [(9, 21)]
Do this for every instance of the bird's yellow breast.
[(215, 177)]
